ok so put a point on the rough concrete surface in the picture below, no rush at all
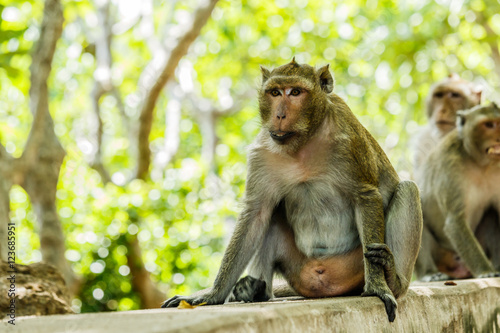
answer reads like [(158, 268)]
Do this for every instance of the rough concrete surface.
[(470, 306)]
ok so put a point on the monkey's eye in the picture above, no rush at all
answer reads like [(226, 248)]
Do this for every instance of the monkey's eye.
[(439, 95), (275, 92), (295, 92), (455, 95), (489, 124)]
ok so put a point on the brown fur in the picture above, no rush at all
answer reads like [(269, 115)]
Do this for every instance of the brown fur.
[(321, 198), (459, 184)]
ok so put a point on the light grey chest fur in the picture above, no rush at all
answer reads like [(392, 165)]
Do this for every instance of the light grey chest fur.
[(321, 218)]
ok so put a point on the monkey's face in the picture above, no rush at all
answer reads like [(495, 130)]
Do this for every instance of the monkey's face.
[(292, 102), (446, 100), (480, 129), (449, 96)]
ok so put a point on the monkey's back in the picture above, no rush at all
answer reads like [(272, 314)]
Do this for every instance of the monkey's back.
[(367, 160)]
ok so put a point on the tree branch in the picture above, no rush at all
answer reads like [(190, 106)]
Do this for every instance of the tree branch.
[(41, 67), (150, 296), (492, 41), (96, 162), (43, 156), (207, 119), (102, 85), (167, 72)]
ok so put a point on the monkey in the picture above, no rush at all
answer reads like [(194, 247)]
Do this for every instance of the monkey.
[(459, 183), (488, 234), (323, 205), (445, 99)]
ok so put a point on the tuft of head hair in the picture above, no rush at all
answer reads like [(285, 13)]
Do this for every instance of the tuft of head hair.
[(321, 77)]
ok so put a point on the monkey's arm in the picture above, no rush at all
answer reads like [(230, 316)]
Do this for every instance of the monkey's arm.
[(248, 235), (252, 225), (466, 245), (371, 228)]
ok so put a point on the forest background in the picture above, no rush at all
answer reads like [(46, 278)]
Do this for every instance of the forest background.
[(123, 163)]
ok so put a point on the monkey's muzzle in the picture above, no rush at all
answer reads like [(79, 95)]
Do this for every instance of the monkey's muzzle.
[(493, 150), (281, 136)]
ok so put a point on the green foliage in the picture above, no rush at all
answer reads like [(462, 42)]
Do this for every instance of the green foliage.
[(384, 54)]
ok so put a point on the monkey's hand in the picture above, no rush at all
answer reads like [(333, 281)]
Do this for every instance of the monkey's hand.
[(195, 299), (250, 289), (380, 254), (385, 294)]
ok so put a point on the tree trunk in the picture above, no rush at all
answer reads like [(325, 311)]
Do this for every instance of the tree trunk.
[(167, 72), (151, 297), (43, 155)]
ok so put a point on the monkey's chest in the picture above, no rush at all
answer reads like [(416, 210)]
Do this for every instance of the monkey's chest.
[(481, 192), (322, 219)]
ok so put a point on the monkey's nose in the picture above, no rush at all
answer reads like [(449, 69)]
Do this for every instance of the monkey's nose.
[(281, 116)]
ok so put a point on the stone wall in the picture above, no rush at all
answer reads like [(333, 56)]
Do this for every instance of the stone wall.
[(469, 306)]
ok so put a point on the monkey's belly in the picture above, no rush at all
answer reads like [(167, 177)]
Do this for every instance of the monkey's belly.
[(331, 276)]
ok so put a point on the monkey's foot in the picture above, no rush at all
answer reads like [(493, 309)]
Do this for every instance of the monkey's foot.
[(386, 296), (250, 289), (193, 300), (380, 254), (436, 277), (488, 275)]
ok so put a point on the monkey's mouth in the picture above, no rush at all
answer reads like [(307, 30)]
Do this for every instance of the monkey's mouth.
[(445, 123), (281, 136), (493, 150)]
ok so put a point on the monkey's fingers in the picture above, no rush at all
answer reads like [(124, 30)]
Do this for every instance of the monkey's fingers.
[(390, 306), (389, 302), (172, 302), (379, 250), (488, 275), (380, 254), (250, 289), (436, 277)]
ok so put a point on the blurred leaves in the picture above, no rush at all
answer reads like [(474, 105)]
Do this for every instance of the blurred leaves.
[(384, 55)]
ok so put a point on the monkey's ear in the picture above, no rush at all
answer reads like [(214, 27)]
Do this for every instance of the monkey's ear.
[(477, 91), (265, 73), (325, 79)]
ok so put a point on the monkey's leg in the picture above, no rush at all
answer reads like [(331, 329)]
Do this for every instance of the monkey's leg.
[(461, 237), (435, 263), (425, 265), (403, 232), (488, 235), (249, 233), (278, 245), (370, 223), (257, 286)]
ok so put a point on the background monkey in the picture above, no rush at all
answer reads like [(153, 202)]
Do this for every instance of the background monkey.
[(460, 181), (321, 196), (445, 99)]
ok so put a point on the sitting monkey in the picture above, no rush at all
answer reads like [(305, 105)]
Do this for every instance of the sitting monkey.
[(460, 181), (324, 206), (445, 99)]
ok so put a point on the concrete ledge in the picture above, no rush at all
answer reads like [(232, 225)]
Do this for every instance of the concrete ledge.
[(471, 305)]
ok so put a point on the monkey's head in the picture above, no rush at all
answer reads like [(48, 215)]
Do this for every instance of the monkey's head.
[(479, 128), (292, 102), (449, 96)]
